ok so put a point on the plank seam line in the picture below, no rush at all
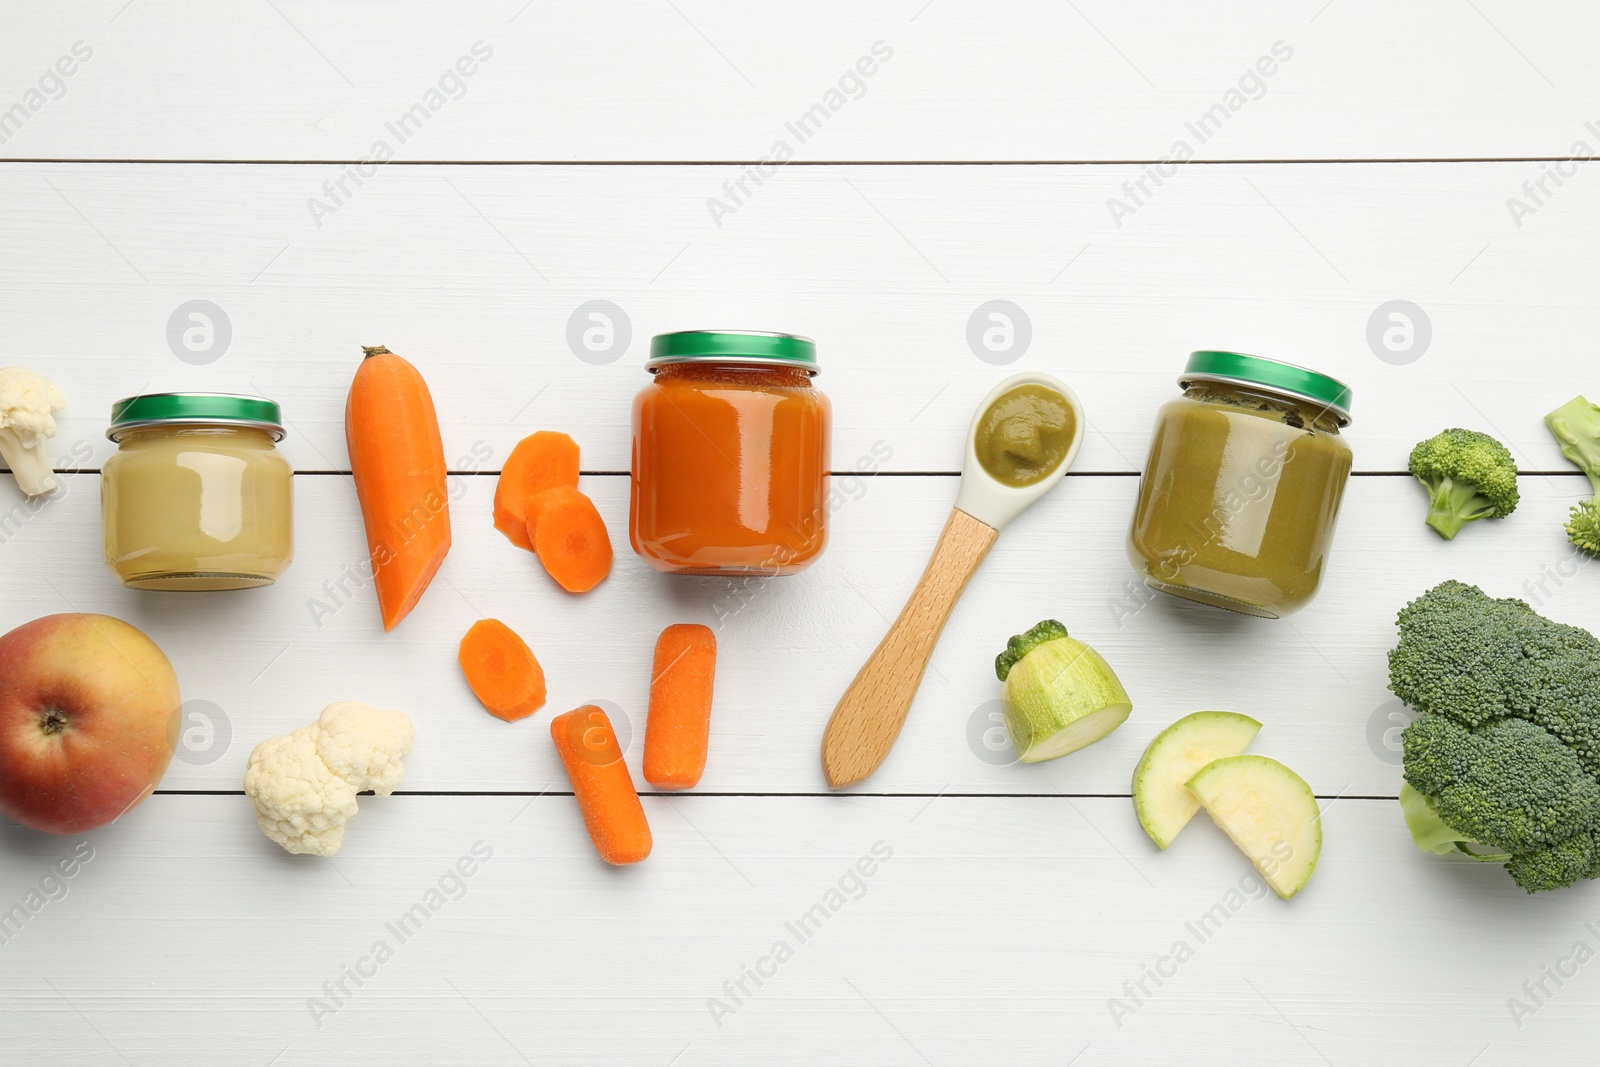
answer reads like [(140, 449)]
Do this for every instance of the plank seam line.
[(777, 796), (1244, 162), (1568, 472)]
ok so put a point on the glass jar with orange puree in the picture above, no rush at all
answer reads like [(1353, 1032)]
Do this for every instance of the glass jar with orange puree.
[(730, 455)]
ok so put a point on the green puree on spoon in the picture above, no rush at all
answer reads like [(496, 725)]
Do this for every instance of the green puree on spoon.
[(1024, 434)]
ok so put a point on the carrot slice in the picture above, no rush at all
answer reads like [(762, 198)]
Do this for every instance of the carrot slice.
[(540, 461), (573, 544), (502, 670), (610, 805), (398, 463), (679, 726), (538, 502)]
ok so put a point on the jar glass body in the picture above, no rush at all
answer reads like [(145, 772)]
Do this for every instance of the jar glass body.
[(197, 508), (730, 469), (1239, 498)]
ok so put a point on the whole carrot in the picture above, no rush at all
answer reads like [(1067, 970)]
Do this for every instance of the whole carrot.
[(679, 726), (610, 805), (398, 463)]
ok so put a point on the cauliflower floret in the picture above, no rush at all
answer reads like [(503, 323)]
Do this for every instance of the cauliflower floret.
[(304, 784), (28, 406), (300, 803)]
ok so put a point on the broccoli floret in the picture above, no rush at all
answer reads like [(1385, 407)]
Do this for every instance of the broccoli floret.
[(1509, 783), (1468, 475), (1576, 426), (1554, 867), (1583, 526), (1506, 753)]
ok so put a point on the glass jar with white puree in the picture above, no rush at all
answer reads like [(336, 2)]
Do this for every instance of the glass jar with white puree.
[(197, 496)]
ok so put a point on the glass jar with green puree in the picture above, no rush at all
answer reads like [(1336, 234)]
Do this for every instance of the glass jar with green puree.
[(1241, 490)]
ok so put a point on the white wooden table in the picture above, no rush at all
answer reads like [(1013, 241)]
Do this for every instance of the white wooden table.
[(195, 154)]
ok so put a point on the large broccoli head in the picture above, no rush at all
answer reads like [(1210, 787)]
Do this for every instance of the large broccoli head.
[(1507, 750), (1468, 475)]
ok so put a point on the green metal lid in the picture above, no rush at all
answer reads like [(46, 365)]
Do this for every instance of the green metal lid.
[(1238, 368), (733, 346), (195, 409)]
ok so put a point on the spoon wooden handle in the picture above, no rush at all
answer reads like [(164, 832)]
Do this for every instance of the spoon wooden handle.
[(869, 716)]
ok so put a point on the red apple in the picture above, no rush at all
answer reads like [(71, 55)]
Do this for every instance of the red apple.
[(88, 721)]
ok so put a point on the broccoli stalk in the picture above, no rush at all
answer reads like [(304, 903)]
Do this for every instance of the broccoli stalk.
[(1576, 426), (1468, 475), (1453, 504), (1432, 835)]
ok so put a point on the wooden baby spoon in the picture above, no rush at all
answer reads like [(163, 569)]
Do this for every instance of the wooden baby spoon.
[(869, 716)]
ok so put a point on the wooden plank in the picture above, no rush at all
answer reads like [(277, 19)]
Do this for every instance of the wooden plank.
[(720, 80), (475, 274), (264, 662), (993, 931)]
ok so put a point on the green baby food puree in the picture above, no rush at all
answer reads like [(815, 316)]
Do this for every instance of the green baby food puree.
[(1025, 434), (1239, 498)]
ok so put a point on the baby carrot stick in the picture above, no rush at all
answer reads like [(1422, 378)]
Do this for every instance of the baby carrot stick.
[(540, 461), (502, 670), (611, 809), (572, 543), (398, 463), (680, 706)]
